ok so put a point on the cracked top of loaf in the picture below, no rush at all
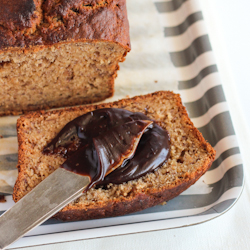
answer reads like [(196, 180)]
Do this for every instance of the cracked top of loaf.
[(28, 23)]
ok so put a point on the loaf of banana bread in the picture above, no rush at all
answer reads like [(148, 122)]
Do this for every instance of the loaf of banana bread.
[(59, 53), (190, 157)]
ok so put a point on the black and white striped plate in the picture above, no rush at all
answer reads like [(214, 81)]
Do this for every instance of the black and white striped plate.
[(201, 90)]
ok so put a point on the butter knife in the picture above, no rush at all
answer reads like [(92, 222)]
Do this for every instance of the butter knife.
[(49, 197), (63, 186)]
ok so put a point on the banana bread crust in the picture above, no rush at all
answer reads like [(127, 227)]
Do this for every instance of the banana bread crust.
[(136, 200), (28, 23), (132, 204)]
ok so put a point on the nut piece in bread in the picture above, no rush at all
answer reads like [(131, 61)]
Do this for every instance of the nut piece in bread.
[(190, 157)]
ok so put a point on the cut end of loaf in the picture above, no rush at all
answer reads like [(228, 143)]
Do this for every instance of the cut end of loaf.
[(190, 157), (57, 76), (59, 53)]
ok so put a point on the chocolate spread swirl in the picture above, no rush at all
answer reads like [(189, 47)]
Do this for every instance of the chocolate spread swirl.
[(99, 141)]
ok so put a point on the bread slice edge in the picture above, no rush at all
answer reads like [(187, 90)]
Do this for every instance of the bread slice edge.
[(117, 207)]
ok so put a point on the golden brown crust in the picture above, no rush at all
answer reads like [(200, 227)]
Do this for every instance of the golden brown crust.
[(130, 205), (33, 24), (136, 201)]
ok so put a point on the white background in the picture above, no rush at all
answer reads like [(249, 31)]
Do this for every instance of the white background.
[(228, 23)]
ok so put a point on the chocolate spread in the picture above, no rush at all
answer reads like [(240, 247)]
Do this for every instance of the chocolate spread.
[(100, 141)]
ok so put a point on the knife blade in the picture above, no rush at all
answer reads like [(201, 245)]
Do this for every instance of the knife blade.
[(40, 204), (63, 186)]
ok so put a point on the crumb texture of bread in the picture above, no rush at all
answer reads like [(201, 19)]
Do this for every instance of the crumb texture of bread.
[(190, 157), (60, 53)]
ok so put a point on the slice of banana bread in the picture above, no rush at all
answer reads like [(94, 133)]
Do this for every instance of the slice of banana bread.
[(59, 53), (190, 157)]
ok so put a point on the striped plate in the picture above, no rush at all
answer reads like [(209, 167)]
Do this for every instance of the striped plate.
[(199, 84)]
